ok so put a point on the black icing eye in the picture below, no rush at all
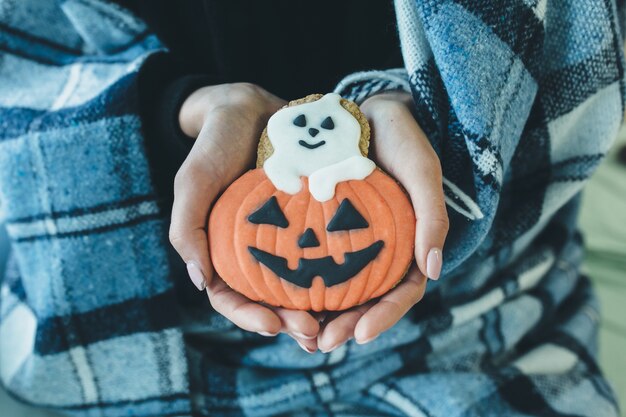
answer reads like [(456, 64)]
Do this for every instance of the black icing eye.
[(300, 121), (269, 213), (328, 123), (346, 218)]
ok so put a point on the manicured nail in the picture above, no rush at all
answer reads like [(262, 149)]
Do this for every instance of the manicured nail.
[(196, 275), (337, 346), (303, 336), (363, 342), (267, 334), (433, 263), (304, 348)]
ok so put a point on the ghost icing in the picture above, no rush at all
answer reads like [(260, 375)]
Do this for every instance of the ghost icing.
[(318, 140)]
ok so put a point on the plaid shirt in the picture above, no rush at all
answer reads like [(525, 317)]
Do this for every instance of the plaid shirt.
[(520, 98)]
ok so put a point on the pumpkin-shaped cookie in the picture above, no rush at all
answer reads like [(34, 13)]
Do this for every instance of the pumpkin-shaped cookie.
[(316, 226)]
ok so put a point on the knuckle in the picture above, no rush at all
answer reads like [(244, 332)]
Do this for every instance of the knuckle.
[(184, 173), (443, 222), (175, 237), (245, 101), (439, 223), (216, 295), (244, 93), (179, 178), (193, 174), (415, 291), (248, 88), (418, 297), (214, 301), (431, 166)]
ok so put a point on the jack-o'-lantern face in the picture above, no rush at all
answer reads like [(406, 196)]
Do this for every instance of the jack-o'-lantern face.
[(346, 218), (299, 253)]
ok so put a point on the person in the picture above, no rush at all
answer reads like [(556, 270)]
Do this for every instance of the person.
[(225, 119), (483, 118)]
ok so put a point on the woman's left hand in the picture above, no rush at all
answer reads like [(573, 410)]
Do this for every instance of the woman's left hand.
[(401, 148)]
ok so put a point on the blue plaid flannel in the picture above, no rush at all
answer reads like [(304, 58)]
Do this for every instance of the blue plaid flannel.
[(520, 98)]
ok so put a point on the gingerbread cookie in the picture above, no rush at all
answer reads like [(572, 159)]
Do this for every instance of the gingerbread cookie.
[(316, 226)]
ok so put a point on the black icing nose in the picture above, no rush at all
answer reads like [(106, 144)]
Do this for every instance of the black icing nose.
[(308, 239), (313, 132)]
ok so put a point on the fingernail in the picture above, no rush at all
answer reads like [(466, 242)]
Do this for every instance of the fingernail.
[(304, 348), (363, 342), (267, 334), (433, 263), (303, 336), (337, 346), (196, 275)]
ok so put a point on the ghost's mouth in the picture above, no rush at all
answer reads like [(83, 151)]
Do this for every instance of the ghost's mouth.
[(309, 146), (331, 272)]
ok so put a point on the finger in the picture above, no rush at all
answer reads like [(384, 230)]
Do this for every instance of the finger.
[(300, 324), (196, 185), (187, 232), (404, 149), (339, 330), (308, 345), (243, 312), (391, 307)]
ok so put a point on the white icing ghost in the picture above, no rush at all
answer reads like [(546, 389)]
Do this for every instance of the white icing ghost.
[(318, 140)]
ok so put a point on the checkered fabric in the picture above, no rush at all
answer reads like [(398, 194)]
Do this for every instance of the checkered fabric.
[(520, 99), (88, 316)]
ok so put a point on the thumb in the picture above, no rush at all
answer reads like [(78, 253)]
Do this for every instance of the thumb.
[(432, 224), (403, 148)]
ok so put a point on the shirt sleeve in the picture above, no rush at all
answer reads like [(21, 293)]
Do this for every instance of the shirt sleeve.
[(163, 87), (516, 126)]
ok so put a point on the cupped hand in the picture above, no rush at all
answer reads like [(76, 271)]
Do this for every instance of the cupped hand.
[(401, 148), (226, 121)]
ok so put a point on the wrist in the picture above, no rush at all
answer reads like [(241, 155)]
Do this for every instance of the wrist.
[(387, 102)]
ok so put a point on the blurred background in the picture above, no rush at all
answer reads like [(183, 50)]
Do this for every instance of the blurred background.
[(603, 221)]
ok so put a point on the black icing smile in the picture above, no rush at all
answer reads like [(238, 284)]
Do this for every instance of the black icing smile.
[(331, 272), (309, 146)]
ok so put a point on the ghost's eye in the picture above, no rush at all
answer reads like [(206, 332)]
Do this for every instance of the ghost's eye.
[(300, 121), (269, 213), (328, 123), (346, 217)]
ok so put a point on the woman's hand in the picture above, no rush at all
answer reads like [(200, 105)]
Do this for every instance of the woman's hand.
[(401, 148), (227, 121)]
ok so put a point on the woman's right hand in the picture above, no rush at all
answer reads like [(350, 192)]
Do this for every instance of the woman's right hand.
[(226, 121)]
